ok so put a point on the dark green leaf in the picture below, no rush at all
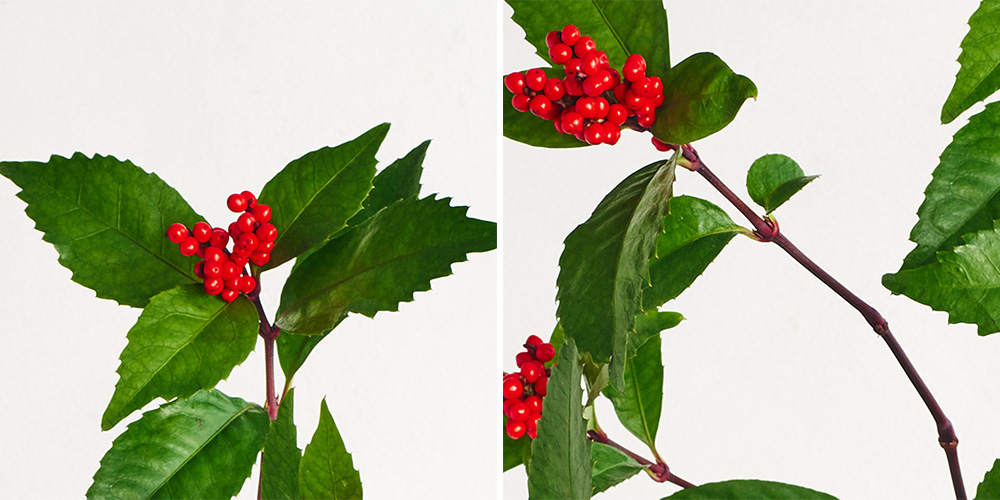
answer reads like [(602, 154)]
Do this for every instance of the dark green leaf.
[(525, 127), (293, 349), (963, 195), (773, 179), (105, 216), (693, 235), (202, 447), (381, 263), (619, 28), (327, 470), (313, 197), (184, 341), (964, 282), (557, 339), (611, 467), (515, 451), (638, 406), (989, 489), (649, 324), (398, 181), (748, 489), (560, 466), (979, 76), (604, 266), (280, 460), (701, 96)]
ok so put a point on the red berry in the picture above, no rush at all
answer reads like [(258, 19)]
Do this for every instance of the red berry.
[(230, 270), (199, 269), (248, 242), (515, 429), (620, 90), (177, 232), (553, 38), (215, 254), (201, 231), (532, 371), (531, 427), (229, 295), (234, 231), (541, 105), (646, 121), (189, 246), (545, 352), (514, 82), (535, 79), (260, 258), (560, 53), (656, 85), (541, 386), (594, 134), (595, 85), (587, 107), (247, 283), (245, 223), (554, 90), (236, 202), (251, 199), (602, 60), (262, 212), (635, 67), (220, 238), (600, 107), (572, 67), (572, 122), (512, 387), (661, 146), (522, 358), (617, 114), (240, 260), (233, 284), (212, 269), (570, 35), (573, 87), (265, 246), (520, 102), (214, 286), (611, 133), (534, 403), (583, 46), (642, 86), (518, 411), (534, 340), (590, 63)]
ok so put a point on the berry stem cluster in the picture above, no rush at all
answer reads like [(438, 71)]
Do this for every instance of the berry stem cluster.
[(523, 391), (594, 100)]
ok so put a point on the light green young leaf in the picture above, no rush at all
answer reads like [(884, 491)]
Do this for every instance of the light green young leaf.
[(693, 235), (280, 461), (202, 447), (381, 263), (963, 195), (989, 489), (605, 265), (184, 341), (638, 406), (701, 96), (964, 282), (314, 196), (560, 465), (649, 324), (104, 215), (979, 76), (748, 489), (611, 467), (327, 470), (773, 179)]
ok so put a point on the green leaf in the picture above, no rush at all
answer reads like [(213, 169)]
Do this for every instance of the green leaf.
[(964, 282), (649, 324), (773, 179), (184, 341), (560, 466), (327, 470), (293, 349), (381, 263), (557, 339), (979, 76), (526, 128), (398, 181), (748, 489), (964, 194), (693, 235), (611, 467), (314, 196), (104, 216), (280, 460), (701, 96), (604, 265), (202, 447), (619, 28), (638, 406), (989, 489), (515, 451)]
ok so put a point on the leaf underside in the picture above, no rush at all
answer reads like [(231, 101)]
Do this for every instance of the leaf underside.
[(104, 215), (979, 76), (280, 462), (748, 489), (327, 470), (604, 266), (202, 447), (773, 179)]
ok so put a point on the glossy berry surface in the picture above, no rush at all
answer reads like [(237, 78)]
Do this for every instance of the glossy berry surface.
[(177, 233)]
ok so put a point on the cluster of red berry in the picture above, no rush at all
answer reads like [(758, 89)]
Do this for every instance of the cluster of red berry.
[(253, 239), (523, 391), (594, 100)]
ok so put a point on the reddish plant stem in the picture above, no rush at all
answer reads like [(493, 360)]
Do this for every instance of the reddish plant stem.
[(766, 231), (658, 471)]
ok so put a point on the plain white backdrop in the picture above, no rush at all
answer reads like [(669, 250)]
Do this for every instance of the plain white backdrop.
[(216, 98), (772, 376)]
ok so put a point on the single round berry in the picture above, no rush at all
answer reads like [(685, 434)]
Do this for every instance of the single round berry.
[(570, 35), (661, 146), (541, 105), (201, 231), (220, 238), (519, 411), (572, 67), (531, 427), (516, 429), (553, 38), (247, 283), (233, 284), (265, 246), (587, 107), (642, 86), (251, 199), (534, 403), (236, 202), (521, 102), (532, 371), (573, 87), (189, 246), (248, 241), (535, 79), (541, 385), (583, 46), (212, 269), (234, 231), (554, 90), (594, 134), (646, 121), (572, 122), (262, 212), (177, 232), (260, 258), (522, 358), (611, 133), (617, 114), (230, 270), (533, 340), (600, 107), (560, 53), (229, 295), (245, 223), (214, 286), (214, 254), (514, 82), (199, 269), (512, 386), (590, 63), (635, 67), (240, 260), (545, 352)]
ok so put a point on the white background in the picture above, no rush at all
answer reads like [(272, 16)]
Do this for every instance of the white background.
[(216, 98), (772, 376)]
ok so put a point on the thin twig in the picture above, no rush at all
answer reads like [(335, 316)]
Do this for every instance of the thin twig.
[(658, 470)]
